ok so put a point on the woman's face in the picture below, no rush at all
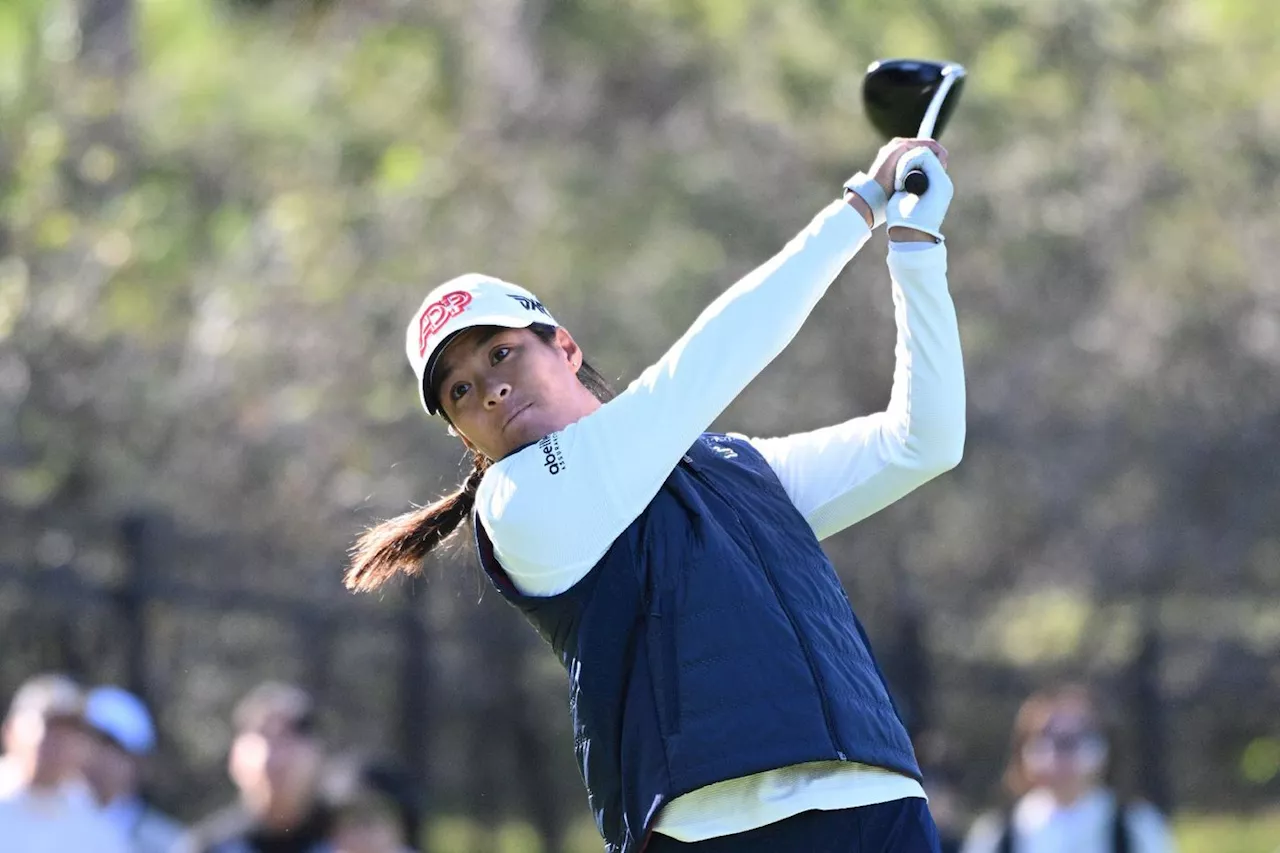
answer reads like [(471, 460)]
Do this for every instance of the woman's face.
[(1067, 753), (505, 388), (276, 761), (53, 749)]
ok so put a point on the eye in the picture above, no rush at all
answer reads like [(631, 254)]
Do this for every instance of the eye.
[(456, 392), (499, 354)]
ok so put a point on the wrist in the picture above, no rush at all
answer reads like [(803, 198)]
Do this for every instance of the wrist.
[(864, 188), (857, 203), (903, 234)]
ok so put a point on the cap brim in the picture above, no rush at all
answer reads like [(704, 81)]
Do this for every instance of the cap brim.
[(425, 395), (115, 741), (65, 717)]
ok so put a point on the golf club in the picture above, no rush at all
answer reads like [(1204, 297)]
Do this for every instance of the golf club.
[(912, 98)]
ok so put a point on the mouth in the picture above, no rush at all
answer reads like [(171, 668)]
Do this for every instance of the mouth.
[(519, 410)]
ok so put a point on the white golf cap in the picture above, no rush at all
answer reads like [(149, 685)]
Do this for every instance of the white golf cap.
[(457, 305), (51, 696), (122, 717)]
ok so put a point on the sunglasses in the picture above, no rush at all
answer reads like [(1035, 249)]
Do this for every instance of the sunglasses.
[(1066, 741), (1085, 750), (304, 724)]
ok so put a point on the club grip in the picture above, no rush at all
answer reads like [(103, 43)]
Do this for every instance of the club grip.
[(916, 182)]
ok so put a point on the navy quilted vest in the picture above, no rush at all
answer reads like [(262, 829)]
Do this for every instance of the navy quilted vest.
[(712, 641)]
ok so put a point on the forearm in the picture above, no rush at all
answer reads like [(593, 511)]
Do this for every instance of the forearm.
[(736, 337), (840, 474), (927, 404)]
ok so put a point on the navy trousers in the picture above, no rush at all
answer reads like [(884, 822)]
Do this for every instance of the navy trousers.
[(901, 826)]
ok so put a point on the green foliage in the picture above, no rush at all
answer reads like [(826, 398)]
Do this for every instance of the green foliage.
[(1227, 834), (206, 263)]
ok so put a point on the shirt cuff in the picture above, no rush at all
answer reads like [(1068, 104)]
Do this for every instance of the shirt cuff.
[(918, 257)]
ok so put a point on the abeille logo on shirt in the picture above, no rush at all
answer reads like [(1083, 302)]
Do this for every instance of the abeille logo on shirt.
[(552, 458), (435, 315)]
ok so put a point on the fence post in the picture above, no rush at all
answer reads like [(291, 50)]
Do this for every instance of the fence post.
[(542, 794), (1148, 703), (137, 533), (317, 630), (415, 693), (912, 673)]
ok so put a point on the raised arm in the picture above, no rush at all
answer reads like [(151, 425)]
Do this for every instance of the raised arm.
[(839, 475), (553, 509)]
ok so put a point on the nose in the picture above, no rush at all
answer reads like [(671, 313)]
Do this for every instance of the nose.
[(495, 392)]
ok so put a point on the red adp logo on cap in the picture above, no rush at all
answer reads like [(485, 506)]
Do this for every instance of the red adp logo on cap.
[(435, 315)]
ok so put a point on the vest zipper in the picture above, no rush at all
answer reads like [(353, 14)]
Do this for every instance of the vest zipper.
[(773, 583)]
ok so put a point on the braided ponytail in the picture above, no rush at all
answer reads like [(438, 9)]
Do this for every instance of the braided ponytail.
[(402, 543)]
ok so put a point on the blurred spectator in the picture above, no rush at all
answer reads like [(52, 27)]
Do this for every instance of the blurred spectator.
[(45, 806), (125, 738), (373, 808), (275, 762), (1061, 776)]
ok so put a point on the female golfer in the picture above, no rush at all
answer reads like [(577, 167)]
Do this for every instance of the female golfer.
[(723, 694)]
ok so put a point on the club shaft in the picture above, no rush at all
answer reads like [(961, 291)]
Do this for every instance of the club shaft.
[(930, 120), (916, 181)]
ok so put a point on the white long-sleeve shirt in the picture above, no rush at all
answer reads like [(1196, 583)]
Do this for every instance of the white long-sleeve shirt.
[(56, 822), (1042, 825), (605, 469)]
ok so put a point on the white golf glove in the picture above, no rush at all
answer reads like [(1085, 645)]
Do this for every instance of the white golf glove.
[(923, 213), (872, 193)]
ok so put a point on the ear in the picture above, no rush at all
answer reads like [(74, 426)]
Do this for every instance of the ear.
[(573, 353)]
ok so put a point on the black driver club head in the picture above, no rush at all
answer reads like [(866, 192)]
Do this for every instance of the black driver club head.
[(897, 95)]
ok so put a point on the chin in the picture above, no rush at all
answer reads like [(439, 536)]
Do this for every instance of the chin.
[(524, 430)]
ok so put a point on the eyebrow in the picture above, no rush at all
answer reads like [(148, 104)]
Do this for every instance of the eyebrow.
[(446, 366)]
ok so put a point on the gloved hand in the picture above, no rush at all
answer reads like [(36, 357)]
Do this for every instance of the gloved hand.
[(923, 213)]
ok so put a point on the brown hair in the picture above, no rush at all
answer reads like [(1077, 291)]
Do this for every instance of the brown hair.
[(1034, 715), (276, 699), (401, 544)]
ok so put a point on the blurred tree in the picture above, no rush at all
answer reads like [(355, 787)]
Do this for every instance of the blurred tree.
[(106, 36), (214, 218)]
